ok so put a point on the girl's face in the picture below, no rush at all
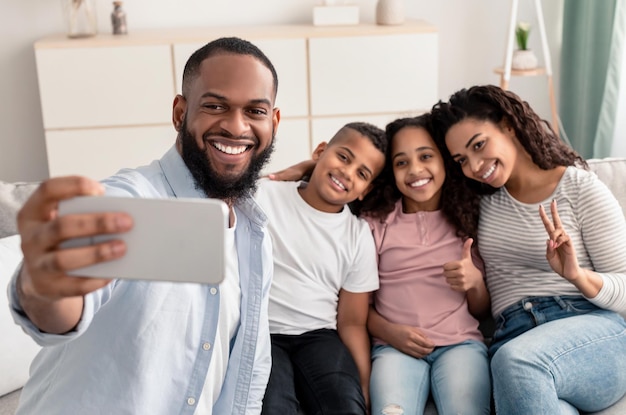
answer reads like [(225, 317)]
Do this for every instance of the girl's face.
[(418, 169), (485, 150)]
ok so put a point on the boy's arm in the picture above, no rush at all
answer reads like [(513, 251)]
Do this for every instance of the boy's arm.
[(352, 312)]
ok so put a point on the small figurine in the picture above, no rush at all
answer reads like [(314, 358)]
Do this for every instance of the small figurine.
[(118, 19)]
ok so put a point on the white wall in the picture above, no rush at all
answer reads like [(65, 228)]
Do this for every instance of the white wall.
[(471, 34)]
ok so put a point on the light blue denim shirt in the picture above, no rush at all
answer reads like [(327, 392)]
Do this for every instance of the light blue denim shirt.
[(144, 347)]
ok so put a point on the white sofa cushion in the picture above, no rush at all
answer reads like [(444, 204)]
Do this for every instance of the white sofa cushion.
[(612, 171), (17, 349), (12, 196)]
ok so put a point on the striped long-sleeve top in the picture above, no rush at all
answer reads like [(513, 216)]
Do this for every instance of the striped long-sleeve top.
[(512, 242)]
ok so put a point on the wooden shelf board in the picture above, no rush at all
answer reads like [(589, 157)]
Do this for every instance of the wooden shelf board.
[(524, 72)]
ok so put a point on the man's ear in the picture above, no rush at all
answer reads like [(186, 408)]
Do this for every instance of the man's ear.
[(319, 150), (178, 111), (275, 119)]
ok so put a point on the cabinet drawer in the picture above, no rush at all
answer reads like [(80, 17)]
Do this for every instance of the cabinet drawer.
[(373, 74), (99, 153), (102, 86)]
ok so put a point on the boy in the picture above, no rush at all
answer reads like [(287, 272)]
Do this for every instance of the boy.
[(324, 268)]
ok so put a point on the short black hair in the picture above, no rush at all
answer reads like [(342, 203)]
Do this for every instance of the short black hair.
[(224, 45), (375, 134)]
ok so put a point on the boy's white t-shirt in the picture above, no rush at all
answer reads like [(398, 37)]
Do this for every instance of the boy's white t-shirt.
[(230, 314), (315, 255)]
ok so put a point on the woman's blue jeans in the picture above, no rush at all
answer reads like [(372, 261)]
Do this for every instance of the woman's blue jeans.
[(314, 371), (551, 355), (457, 376)]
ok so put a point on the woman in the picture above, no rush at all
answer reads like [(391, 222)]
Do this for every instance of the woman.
[(559, 345)]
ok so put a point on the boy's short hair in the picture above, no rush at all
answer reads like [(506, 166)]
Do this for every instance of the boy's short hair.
[(374, 134)]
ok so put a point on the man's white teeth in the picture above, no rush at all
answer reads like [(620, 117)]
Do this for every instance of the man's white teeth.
[(337, 182), (489, 172), (229, 149), (420, 182)]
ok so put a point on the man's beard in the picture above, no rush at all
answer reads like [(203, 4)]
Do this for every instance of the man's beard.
[(208, 179)]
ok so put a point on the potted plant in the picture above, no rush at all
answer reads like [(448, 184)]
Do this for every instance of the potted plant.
[(523, 58)]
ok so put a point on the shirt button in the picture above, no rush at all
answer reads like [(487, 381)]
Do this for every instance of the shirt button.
[(528, 306), (191, 401), (213, 290), (206, 346)]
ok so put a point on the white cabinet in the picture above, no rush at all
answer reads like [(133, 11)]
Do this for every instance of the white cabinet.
[(106, 101), (373, 74), (100, 152), (105, 86)]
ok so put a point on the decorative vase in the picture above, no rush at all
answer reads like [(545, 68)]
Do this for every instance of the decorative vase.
[(524, 59), (390, 12), (118, 19), (80, 16)]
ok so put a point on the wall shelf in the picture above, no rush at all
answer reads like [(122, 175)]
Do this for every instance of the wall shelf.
[(506, 71)]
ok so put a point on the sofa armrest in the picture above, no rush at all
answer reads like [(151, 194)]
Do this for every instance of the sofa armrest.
[(12, 196)]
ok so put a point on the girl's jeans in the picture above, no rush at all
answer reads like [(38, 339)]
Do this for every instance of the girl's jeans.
[(551, 355), (457, 375)]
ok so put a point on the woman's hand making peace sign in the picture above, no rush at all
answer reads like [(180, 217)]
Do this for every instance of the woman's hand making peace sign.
[(561, 255), (560, 252)]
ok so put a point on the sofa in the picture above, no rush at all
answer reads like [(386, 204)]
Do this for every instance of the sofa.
[(17, 349)]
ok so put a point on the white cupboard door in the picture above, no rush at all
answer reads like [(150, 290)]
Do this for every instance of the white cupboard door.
[(289, 59), (373, 74), (291, 145), (99, 153), (102, 86)]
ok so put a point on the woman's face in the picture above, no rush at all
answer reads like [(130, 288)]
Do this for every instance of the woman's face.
[(485, 150), (418, 169)]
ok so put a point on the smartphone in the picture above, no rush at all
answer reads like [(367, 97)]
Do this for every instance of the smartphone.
[(178, 240)]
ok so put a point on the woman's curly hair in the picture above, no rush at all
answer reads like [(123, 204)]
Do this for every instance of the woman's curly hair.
[(491, 103), (384, 195)]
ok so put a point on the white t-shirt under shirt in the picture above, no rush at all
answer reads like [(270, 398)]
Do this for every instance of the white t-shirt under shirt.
[(316, 254), (230, 305)]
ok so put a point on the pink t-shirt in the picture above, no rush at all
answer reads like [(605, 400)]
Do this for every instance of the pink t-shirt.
[(412, 249)]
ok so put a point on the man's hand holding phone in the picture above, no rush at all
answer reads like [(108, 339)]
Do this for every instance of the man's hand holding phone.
[(51, 298)]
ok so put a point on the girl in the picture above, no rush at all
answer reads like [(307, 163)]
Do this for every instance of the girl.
[(559, 345), (422, 319)]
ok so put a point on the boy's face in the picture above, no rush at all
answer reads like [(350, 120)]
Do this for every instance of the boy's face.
[(344, 171)]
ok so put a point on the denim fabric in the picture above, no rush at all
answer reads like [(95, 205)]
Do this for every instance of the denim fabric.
[(314, 371), (551, 354), (457, 376)]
